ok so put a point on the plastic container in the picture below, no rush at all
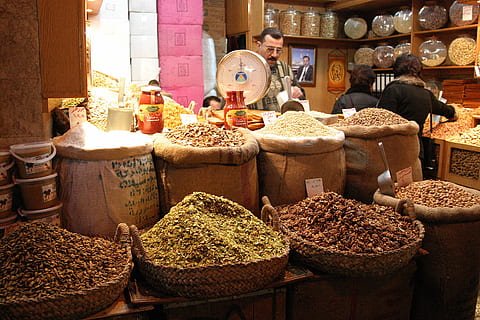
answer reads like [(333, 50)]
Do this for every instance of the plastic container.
[(33, 159), (355, 27), (432, 52), (461, 51), (310, 23), (383, 56), (6, 200), (39, 193), (402, 20), (270, 17), (6, 167), (462, 14), (290, 21), (364, 55), (150, 110), (235, 110), (432, 16), (404, 47), (8, 224), (50, 215), (329, 24), (382, 25)]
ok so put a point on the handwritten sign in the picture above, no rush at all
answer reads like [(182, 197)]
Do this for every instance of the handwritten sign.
[(314, 186), (77, 115), (269, 117), (348, 112), (188, 118), (404, 177)]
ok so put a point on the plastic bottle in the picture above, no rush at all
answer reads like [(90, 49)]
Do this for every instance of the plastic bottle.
[(150, 113), (235, 110)]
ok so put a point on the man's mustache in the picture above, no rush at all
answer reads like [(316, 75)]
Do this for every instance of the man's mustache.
[(272, 58)]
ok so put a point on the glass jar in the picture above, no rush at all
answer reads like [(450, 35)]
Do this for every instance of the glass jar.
[(404, 47), (432, 16), (463, 14), (382, 25), (434, 87), (310, 23), (402, 20), (433, 52), (150, 110), (383, 56), (461, 51), (270, 17), (329, 24), (364, 55), (290, 21), (355, 27)]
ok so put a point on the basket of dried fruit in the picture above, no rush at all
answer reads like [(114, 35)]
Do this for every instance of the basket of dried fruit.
[(209, 246), (341, 236), (50, 273)]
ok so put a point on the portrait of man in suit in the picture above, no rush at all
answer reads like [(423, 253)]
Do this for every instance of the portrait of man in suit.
[(305, 72)]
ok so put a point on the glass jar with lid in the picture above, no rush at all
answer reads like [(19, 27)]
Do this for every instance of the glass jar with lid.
[(461, 50), (404, 47), (383, 55), (432, 52), (290, 21), (310, 23), (270, 17), (355, 27), (382, 25), (432, 16), (402, 20), (364, 55), (329, 24), (462, 14)]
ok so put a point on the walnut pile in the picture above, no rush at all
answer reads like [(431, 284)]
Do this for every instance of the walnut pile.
[(205, 135)]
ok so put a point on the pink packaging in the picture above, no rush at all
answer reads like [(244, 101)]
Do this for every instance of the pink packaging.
[(180, 12), (181, 71), (184, 95), (179, 40)]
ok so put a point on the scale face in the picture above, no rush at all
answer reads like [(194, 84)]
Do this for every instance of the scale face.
[(244, 70)]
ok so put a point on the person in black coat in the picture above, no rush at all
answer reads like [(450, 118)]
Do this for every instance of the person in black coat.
[(407, 96), (359, 96)]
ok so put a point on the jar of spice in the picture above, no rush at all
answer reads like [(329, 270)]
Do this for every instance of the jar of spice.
[(382, 25), (290, 21), (461, 50), (311, 23), (462, 14), (364, 55), (270, 17), (402, 20), (383, 55), (150, 110), (355, 27), (329, 24), (404, 47), (432, 16)]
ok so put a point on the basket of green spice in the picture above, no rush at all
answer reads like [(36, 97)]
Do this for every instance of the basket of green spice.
[(209, 246), (50, 273)]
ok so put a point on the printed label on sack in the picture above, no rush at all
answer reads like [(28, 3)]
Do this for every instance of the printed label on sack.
[(6, 202), (314, 186), (49, 192), (404, 177)]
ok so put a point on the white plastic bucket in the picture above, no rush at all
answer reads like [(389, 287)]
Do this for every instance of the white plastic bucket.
[(8, 224), (34, 159), (39, 193), (6, 200), (49, 215), (6, 167)]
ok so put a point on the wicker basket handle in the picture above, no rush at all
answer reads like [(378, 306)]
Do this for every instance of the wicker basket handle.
[(137, 242), (406, 208), (122, 235), (269, 214)]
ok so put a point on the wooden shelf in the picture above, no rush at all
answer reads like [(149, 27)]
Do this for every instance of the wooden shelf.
[(472, 27)]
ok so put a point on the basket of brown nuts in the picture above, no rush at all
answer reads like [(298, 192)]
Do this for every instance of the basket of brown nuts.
[(209, 246), (51, 273), (332, 234)]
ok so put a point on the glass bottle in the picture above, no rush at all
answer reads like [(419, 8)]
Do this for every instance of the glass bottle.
[(432, 16), (310, 23), (462, 14), (290, 21), (235, 110), (270, 17), (382, 25), (433, 52), (355, 27), (364, 55), (402, 20), (404, 47), (329, 24), (383, 55), (150, 110)]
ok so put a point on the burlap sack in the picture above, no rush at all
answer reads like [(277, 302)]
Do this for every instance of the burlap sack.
[(285, 163), (364, 161), (230, 172), (447, 280)]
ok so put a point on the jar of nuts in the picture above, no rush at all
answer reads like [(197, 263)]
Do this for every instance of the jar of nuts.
[(402, 20), (364, 55), (355, 27), (432, 16), (433, 52), (383, 55), (382, 25), (462, 50), (329, 24), (404, 47), (462, 14), (270, 17), (311, 23), (290, 21)]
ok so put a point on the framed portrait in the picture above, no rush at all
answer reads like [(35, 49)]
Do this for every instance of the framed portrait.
[(302, 61)]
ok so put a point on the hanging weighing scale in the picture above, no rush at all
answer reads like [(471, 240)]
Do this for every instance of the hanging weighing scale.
[(244, 70)]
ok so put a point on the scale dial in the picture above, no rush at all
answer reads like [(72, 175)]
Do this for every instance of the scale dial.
[(244, 70)]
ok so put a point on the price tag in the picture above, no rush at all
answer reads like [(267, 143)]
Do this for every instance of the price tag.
[(404, 177), (314, 186), (467, 13), (348, 112), (269, 117), (77, 115), (188, 118)]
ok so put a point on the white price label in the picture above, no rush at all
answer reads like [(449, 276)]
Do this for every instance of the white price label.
[(404, 177), (467, 13), (348, 112), (314, 186), (188, 118), (269, 117), (77, 115)]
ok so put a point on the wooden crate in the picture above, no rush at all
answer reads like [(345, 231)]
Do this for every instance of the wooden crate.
[(440, 157), (462, 164)]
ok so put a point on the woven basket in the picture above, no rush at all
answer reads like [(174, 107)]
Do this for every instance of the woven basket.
[(207, 281), (352, 264), (76, 304)]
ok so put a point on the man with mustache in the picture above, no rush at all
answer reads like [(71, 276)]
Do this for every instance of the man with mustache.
[(270, 47)]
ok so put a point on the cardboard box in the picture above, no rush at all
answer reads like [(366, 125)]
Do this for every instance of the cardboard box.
[(179, 40), (143, 23), (180, 12), (144, 46), (184, 95), (144, 69), (181, 71), (142, 6)]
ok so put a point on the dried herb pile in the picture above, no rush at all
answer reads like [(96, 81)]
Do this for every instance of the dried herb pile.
[(333, 222), (39, 259), (204, 229), (205, 135)]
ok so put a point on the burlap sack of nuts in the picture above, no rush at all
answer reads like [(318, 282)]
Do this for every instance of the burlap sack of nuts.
[(448, 277), (202, 157), (363, 159)]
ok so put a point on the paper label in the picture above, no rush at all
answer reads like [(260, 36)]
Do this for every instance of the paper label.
[(49, 192), (188, 118), (404, 177), (348, 112), (77, 115), (314, 186), (269, 117), (467, 13), (305, 104)]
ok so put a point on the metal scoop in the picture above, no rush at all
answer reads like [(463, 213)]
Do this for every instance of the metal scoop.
[(385, 182), (290, 105)]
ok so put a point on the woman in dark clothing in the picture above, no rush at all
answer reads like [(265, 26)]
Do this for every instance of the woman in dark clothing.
[(406, 95), (359, 95)]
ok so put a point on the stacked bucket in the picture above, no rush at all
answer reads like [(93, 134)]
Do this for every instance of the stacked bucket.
[(8, 217)]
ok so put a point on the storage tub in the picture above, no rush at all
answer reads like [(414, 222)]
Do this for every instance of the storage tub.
[(49, 215), (6, 200), (6, 167), (39, 193), (33, 159)]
